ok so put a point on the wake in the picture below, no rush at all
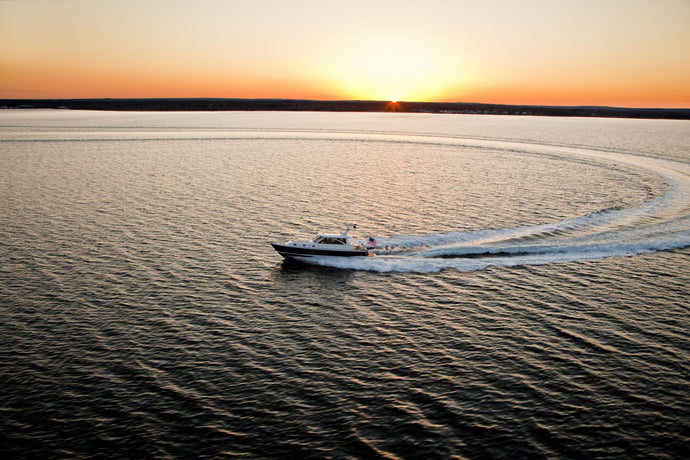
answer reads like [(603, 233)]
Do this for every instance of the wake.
[(660, 224)]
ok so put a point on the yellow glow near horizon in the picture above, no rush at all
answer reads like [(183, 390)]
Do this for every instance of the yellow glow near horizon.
[(394, 68)]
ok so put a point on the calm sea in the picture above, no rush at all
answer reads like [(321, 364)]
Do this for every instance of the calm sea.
[(529, 298)]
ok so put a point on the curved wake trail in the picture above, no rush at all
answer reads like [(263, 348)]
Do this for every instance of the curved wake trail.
[(660, 224)]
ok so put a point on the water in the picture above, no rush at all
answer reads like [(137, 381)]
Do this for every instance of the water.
[(528, 300)]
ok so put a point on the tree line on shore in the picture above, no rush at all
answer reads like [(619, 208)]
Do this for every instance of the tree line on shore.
[(213, 104)]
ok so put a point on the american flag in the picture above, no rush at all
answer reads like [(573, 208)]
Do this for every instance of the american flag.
[(371, 242)]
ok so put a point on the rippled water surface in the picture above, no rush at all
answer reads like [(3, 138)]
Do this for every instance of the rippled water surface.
[(528, 298)]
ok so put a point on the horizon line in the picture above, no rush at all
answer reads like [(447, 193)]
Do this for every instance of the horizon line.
[(207, 104), (269, 99)]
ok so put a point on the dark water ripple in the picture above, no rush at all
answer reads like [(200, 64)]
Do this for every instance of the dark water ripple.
[(362, 378), (145, 316)]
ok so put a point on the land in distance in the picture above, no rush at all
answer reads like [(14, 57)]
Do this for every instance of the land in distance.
[(215, 104)]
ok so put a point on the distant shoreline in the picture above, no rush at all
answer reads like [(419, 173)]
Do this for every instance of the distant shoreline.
[(297, 105)]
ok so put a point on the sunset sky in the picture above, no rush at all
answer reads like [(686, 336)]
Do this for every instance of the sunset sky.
[(633, 53)]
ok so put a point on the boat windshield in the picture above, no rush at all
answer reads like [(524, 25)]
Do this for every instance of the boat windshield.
[(329, 240)]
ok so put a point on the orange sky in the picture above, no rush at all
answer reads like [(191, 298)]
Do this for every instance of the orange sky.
[(603, 52)]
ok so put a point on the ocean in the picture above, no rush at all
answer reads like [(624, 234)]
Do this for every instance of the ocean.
[(528, 297)]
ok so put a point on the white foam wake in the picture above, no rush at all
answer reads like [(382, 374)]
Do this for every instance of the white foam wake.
[(660, 224)]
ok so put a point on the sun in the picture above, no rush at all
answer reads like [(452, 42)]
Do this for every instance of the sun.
[(393, 67)]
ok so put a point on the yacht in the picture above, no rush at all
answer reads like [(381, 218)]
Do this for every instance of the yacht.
[(325, 245)]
